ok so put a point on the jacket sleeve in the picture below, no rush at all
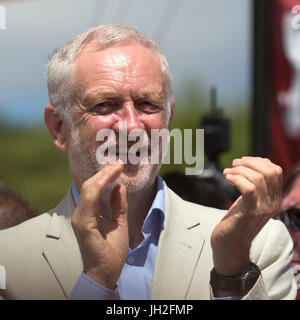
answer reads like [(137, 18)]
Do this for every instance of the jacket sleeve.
[(272, 252)]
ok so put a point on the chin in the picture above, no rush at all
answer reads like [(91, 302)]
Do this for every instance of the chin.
[(136, 178)]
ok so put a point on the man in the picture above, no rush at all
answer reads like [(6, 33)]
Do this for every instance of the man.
[(121, 232), (290, 215), (13, 209)]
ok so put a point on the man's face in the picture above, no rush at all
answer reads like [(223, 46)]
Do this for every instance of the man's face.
[(122, 83)]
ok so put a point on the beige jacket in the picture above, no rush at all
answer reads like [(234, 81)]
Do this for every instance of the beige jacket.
[(42, 258)]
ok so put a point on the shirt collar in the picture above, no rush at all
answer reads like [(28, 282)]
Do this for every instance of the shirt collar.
[(156, 213), (75, 193)]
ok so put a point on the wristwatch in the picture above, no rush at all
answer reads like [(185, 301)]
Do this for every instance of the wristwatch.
[(241, 284)]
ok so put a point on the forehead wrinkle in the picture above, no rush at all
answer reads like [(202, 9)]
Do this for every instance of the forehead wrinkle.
[(125, 70), (116, 62)]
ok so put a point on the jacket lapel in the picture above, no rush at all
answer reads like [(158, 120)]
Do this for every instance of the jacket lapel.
[(61, 250), (179, 249)]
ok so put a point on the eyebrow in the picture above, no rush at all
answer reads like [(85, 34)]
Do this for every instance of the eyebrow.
[(150, 96), (93, 98)]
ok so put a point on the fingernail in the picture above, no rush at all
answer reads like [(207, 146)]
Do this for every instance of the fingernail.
[(235, 161)]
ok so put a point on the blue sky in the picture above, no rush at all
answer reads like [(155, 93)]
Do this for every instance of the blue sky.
[(208, 40)]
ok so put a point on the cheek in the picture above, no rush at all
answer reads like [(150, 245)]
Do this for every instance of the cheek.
[(155, 121), (96, 123)]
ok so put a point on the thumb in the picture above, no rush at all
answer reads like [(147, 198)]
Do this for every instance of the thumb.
[(118, 204)]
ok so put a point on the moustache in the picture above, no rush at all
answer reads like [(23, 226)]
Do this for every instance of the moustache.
[(129, 148)]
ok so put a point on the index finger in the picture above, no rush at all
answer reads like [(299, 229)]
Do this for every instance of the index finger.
[(91, 189), (262, 165)]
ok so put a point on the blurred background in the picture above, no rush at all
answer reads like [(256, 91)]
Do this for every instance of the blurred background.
[(217, 51)]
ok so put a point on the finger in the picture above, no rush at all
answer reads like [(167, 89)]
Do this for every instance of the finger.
[(118, 204), (271, 172), (279, 172), (88, 204), (246, 187), (93, 186), (257, 163), (253, 176), (108, 171)]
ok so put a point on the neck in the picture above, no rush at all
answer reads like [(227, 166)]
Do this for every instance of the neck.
[(139, 205)]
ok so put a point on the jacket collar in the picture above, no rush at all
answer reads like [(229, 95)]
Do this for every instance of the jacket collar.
[(61, 249)]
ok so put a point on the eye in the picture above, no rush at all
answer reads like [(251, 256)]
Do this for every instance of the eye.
[(104, 108), (148, 107)]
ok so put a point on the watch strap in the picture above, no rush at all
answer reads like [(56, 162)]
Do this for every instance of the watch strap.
[(240, 284)]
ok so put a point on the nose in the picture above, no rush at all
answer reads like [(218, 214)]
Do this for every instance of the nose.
[(128, 115)]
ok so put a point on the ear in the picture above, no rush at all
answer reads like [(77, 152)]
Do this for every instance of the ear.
[(56, 127), (171, 115)]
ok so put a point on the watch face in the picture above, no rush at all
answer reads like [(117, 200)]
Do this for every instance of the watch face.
[(242, 283)]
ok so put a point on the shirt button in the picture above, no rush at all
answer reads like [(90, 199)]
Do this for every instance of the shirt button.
[(130, 260)]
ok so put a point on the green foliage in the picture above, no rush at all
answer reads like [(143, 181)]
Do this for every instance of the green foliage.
[(32, 166)]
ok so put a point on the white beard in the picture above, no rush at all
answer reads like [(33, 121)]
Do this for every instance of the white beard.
[(84, 164)]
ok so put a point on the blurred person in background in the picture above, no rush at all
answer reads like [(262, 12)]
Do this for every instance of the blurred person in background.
[(290, 215), (120, 232), (13, 209)]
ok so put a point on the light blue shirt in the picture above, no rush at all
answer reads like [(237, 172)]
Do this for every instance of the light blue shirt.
[(135, 281)]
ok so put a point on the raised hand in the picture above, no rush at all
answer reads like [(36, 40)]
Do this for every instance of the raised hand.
[(103, 242), (259, 181)]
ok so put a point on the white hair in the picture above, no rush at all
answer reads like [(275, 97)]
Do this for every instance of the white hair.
[(63, 86)]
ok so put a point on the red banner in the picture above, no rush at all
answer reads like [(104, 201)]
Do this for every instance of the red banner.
[(285, 83)]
